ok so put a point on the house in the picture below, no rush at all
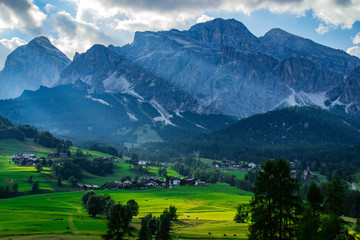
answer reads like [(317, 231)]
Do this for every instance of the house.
[(252, 165), (226, 163), (188, 181), (63, 155), (142, 163), (174, 181), (216, 164), (86, 187), (200, 182)]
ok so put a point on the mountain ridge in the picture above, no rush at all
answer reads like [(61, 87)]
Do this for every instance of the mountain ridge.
[(216, 67)]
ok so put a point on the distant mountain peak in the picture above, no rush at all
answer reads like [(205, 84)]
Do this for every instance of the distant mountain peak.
[(220, 32), (41, 40), (30, 66)]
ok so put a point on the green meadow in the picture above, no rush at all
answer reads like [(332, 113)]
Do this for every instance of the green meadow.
[(9, 147), (201, 209)]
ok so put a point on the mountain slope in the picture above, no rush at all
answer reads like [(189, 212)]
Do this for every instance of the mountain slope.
[(295, 126), (29, 66), (104, 70), (71, 111)]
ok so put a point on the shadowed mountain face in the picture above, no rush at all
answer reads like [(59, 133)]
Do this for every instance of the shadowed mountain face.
[(217, 67), (30, 66), (282, 45), (293, 126), (71, 111)]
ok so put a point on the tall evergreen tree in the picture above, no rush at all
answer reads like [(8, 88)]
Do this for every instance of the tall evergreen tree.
[(275, 205), (334, 196), (314, 197)]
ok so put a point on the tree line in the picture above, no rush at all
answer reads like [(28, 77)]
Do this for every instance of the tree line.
[(277, 212)]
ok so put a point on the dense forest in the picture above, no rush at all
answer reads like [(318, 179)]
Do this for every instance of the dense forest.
[(9, 130)]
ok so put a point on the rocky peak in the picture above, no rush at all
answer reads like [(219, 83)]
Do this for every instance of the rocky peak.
[(281, 45), (30, 66), (220, 32)]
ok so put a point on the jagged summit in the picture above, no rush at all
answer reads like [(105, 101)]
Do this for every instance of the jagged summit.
[(230, 32), (281, 45)]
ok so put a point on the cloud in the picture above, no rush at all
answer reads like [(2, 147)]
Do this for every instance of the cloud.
[(204, 18), (75, 35), (6, 46), (50, 8), (22, 15), (355, 51), (176, 13), (322, 29), (12, 43), (356, 39)]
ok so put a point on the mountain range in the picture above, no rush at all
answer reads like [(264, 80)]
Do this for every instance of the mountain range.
[(201, 80)]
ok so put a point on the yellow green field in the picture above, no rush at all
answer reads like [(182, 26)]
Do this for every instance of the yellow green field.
[(201, 210)]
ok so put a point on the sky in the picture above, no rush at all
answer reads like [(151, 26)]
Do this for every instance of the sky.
[(76, 25)]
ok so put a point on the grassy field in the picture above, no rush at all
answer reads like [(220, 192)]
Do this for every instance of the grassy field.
[(239, 174), (9, 147), (201, 210), (10, 173)]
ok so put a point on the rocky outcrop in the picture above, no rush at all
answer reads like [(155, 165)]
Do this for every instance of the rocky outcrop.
[(30, 66), (282, 45), (302, 75)]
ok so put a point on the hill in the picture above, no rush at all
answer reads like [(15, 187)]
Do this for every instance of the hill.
[(293, 126)]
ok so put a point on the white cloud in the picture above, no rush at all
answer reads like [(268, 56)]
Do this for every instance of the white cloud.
[(177, 13), (322, 29), (204, 18), (355, 51), (75, 35), (356, 39), (12, 43), (6, 46), (22, 15), (50, 8)]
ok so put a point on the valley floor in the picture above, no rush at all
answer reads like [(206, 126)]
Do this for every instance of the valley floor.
[(202, 210)]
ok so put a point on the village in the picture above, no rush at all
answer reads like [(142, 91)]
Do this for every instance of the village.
[(226, 164), (145, 182)]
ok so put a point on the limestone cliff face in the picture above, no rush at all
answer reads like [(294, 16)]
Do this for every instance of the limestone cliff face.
[(303, 75), (30, 66), (282, 45), (351, 88)]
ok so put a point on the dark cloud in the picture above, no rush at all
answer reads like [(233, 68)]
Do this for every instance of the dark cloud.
[(20, 6), (343, 2), (21, 14), (65, 23)]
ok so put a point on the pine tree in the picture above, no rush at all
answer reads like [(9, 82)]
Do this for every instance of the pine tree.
[(59, 181), (275, 205), (315, 198)]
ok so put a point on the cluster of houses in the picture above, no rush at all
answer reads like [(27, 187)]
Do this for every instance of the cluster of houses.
[(26, 159), (305, 174), (145, 182), (225, 164)]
